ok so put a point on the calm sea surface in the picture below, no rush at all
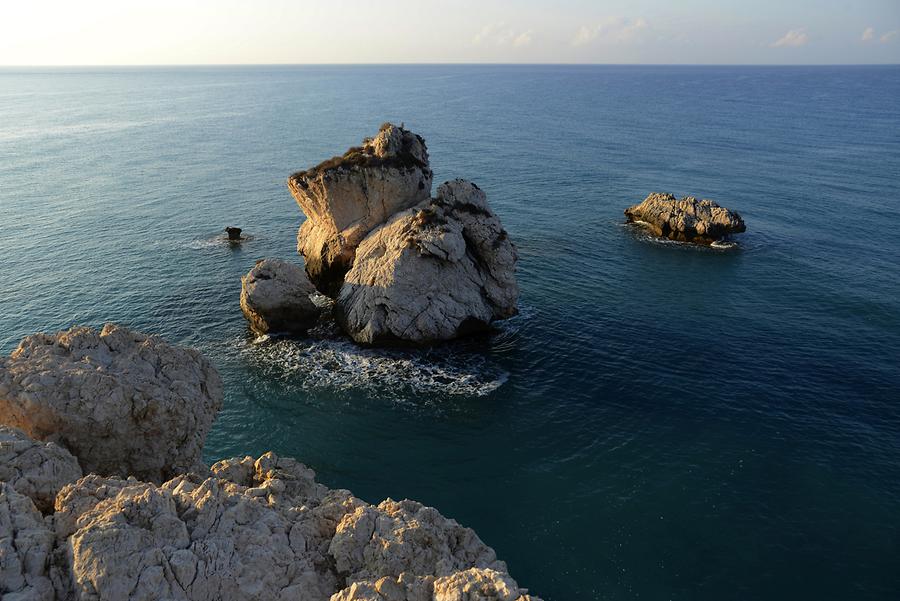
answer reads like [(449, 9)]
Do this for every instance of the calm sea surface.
[(660, 422)]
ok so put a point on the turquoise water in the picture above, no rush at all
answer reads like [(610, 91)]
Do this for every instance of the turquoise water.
[(660, 422)]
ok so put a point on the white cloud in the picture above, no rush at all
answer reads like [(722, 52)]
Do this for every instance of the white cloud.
[(499, 34), (611, 30), (793, 38), (888, 36), (868, 34), (523, 39)]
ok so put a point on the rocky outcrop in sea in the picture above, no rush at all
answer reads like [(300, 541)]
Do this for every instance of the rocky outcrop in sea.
[(403, 267), (243, 529), (275, 297), (345, 197), (686, 220), (442, 269)]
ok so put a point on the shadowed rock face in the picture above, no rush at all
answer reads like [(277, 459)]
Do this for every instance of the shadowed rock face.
[(25, 546), (687, 219), (275, 298), (122, 402), (442, 269), (344, 198), (35, 469)]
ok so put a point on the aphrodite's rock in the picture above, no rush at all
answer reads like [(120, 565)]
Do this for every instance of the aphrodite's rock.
[(344, 198), (25, 546), (201, 537), (35, 469), (275, 298), (474, 584), (122, 402), (687, 219), (442, 269)]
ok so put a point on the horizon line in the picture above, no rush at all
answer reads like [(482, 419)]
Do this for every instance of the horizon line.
[(447, 63)]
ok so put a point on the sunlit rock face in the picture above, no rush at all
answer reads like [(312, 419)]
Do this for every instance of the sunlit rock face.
[(245, 530), (474, 584), (124, 403), (687, 219), (275, 297), (344, 198), (35, 469), (440, 270), (262, 529)]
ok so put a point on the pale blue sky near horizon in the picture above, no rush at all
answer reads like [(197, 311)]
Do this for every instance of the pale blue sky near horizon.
[(103, 32)]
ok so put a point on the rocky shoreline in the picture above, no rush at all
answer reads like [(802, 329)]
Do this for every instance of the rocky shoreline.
[(103, 495)]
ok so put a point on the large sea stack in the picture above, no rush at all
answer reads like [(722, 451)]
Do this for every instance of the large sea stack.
[(403, 268), (345, 197), (439, 270), (687, 219)]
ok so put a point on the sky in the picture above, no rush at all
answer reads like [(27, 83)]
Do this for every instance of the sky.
[(162, 32)]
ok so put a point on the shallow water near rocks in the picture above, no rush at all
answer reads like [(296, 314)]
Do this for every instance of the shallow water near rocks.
[(663, 421)]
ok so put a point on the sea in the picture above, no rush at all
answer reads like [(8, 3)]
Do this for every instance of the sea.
[(660, 421)]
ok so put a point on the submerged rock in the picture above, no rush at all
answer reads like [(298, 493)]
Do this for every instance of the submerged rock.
[(122, 402), (687, 219), (35, 469), (434, 272), (344, 198), (275, 297)]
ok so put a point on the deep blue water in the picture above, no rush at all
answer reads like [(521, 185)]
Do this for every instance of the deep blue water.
[(661, 422)]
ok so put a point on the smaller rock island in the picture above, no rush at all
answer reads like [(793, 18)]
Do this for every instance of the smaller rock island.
[(687, 219), (275, 297), (234, 234)]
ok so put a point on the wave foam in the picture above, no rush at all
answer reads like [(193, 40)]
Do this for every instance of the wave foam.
[(397, 374)]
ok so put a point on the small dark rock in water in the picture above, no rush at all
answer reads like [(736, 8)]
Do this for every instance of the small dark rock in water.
[(234, 233)]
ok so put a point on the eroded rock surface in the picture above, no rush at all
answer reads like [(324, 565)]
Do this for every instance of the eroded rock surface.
[(122, 402), (344, 198), (434, 272), (261, 529), (25, 546), (687, 219), (201, 536), (35, 469), (275, 297), (474, 584)]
